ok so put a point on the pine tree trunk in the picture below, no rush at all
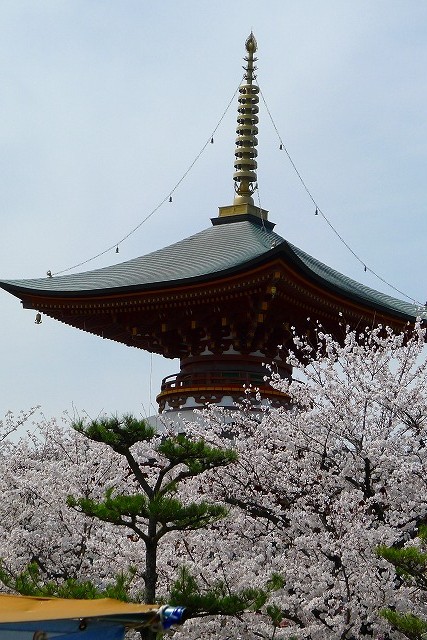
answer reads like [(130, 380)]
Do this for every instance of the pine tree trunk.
[(150, 570), (150, 575)]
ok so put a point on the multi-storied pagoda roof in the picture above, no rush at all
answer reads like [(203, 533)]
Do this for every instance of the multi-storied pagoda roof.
[(214, 253)]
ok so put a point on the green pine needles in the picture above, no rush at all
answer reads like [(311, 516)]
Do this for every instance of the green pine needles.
[(217, 599), (31, 582), (118, 433)]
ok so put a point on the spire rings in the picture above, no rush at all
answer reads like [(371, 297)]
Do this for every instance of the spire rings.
[(245, 165)]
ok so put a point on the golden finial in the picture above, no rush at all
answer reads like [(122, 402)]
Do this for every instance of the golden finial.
[(251, 44), (245, 164)]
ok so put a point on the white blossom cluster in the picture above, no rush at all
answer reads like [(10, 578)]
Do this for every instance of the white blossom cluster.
[(316, 488), (38, 473)]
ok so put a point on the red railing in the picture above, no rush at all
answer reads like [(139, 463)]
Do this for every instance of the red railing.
[(237, 379)]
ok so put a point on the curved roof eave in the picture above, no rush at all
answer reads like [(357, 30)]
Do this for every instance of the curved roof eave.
[(214, 253), (342, 285)]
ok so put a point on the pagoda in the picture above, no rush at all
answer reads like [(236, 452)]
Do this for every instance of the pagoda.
[(221, 300)]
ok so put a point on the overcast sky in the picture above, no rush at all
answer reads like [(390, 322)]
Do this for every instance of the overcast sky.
[(104, 105)]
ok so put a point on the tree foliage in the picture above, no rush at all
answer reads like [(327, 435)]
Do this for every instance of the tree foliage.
[(30, 582), (217, 599)]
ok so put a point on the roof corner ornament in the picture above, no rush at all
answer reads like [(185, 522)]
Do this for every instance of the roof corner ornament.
[(245, 177)]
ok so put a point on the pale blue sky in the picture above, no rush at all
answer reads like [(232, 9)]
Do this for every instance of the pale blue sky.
[(103, 106)]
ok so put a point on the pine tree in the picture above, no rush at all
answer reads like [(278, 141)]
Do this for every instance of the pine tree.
[(151, 508)]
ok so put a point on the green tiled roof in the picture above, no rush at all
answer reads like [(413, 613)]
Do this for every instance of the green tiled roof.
[(220, 249)]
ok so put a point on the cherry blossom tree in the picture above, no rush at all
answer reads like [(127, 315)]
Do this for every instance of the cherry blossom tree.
[(38, 472), (320, 485), (315, 489)]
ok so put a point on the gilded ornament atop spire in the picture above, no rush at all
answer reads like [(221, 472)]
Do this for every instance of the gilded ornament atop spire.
[(245, 164)]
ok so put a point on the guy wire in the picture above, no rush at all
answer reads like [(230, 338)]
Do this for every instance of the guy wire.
[(165, 199), (321, 213)]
